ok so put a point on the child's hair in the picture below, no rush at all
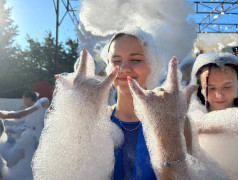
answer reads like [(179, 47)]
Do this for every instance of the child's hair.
[(116, 36), (30, 94), (209, 66), (234, 49)]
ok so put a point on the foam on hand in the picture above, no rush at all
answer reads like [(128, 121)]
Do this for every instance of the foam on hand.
[(162, 112), (76, 142)]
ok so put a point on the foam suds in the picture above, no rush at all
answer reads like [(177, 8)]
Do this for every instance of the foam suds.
[(78, 132), (162, 112), (17, 148), (166, 22)]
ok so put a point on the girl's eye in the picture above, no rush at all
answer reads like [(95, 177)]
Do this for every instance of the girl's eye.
[(227, 87), (211, 89), (116, 61), (136, 60)]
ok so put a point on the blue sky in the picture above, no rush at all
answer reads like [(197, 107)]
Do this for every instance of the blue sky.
[(35, 17)]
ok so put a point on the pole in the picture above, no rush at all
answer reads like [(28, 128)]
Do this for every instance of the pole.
[(56, 39)]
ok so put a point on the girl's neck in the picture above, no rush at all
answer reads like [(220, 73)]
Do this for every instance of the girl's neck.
[(125, 108)]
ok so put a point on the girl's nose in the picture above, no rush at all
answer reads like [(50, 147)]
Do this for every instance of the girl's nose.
[(125, 67), (219, 94)]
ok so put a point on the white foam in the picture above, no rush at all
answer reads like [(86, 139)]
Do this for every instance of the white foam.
[(153, 54), (78, 139), (221, 147), (166, 22), (17, 151)]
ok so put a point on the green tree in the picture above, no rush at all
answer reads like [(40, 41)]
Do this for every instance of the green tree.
[(8, 32), (37, 61), (71, 55), (21, 69)]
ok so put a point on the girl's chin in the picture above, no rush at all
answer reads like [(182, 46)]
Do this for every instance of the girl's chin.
[(123, 90), (219, 107)]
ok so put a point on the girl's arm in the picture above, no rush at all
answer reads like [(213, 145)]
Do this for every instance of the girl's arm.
[(17, 114)]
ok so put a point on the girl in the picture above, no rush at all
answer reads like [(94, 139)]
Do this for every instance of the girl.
[(102, 142), (214, 108)]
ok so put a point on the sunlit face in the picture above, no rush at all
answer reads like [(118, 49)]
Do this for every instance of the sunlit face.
[(222, 87), (127, 53)]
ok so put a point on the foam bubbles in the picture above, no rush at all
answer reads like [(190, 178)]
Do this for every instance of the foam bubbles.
[(220, 146), (165, 20), (17, 148), (162, 112), (77, 140)]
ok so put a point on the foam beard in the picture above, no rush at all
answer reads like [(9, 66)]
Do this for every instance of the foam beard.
[(76, 142)]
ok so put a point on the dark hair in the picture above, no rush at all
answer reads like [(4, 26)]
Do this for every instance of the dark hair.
[(234, 49), (30, 94), (1, 127), (201, 70), (116, 36)]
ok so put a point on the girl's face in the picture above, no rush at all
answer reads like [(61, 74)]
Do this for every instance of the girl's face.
[(27, 101), (222, 87), (127, 53)]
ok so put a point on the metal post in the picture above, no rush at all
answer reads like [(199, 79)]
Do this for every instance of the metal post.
[(56, 39)]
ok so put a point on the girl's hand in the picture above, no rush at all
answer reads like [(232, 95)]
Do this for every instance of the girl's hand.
[(78, 127), (164, 108), (93, 88), (162, 112)]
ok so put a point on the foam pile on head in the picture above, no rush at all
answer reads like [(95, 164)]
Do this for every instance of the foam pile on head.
[(152, 52), (167, 21), (220, 59)]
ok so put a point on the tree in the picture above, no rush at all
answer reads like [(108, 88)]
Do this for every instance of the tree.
[(71, 55), (8, 31), (37, 61), (21, 69)]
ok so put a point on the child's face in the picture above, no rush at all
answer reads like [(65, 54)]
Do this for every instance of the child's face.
[(222, 87), (27, 101), (127, 53)]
